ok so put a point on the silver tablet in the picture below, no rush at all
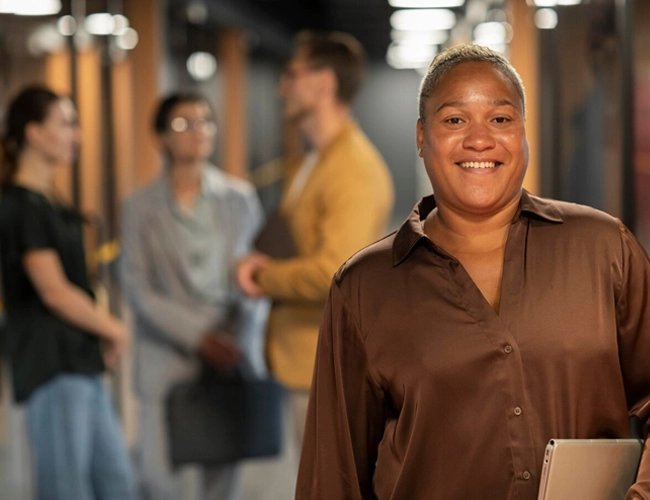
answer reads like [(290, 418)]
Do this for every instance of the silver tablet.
[(589, 469)]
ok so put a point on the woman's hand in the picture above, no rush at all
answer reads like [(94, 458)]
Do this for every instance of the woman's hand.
[(218, 349), (116, 344)]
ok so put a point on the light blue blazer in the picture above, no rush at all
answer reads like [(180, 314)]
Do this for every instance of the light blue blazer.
[(169, 320)]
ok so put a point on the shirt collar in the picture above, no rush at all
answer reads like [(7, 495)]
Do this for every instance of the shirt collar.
[(541, 207), (411, 232), (211, 182)]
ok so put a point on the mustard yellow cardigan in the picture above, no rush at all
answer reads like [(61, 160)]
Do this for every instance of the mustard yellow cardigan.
[(345, 205)]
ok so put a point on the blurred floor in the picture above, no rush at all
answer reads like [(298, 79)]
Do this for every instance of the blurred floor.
[(274, 479), (264, 479), (15, 479)]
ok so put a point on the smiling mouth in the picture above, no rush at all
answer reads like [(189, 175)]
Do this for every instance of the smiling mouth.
[(479, 164)]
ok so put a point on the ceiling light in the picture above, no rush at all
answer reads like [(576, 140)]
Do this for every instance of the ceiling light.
[(127, 40), (7, 6), (45, 40), (395, 64), (569, 2), (425, 37), (486, 33), (120, 24), (35, 7), (410, 55), (100, 24), (423, 19), (425, 4), (546, 19), (197, 12), (545, 3), (66, 25), (201, 65)]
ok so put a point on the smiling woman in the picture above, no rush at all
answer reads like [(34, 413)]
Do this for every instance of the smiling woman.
[(452, 351), (474, 120)]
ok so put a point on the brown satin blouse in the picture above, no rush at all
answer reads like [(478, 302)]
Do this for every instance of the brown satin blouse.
[(422, 391)]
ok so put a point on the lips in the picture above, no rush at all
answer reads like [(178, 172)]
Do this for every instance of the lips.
[(479, 164)]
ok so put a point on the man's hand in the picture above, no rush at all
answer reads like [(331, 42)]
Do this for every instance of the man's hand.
[(219, 350), (246, 270)]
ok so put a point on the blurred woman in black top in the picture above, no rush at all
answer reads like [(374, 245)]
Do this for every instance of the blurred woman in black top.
[(57, 343)]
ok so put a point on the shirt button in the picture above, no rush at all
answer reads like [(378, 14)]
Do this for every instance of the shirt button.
[(526, 475), (517, 411), (508, 349)]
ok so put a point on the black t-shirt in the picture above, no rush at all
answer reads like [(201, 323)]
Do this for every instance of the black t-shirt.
[(39, 344)]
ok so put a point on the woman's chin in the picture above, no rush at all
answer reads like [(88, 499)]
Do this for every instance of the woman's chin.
[(484, 203)]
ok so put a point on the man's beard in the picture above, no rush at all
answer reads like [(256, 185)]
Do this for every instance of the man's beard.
[(299, 115)]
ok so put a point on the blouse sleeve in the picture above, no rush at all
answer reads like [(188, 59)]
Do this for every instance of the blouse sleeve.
[(346, 416), (633, 321), (33, 229)]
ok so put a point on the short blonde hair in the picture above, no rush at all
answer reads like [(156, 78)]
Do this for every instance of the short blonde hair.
[(459, 54)]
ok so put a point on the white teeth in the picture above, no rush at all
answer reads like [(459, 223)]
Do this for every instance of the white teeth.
[(478, 164)]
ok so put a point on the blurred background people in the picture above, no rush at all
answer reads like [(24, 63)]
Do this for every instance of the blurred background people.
[(57, 342), (338, 198), (181, 235)]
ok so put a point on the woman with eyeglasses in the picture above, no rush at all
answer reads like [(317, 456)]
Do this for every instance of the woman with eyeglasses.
[(56, 341), (181, 235)]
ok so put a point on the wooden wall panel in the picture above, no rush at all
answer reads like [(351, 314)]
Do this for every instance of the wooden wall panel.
[(123, 126), (233, 132), (146, 59), (524, 57)]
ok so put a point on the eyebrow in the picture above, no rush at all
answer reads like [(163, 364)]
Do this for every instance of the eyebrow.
[(461, 104)]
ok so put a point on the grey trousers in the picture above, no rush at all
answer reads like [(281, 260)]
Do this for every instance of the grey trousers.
[(299, 402), (160, 482)]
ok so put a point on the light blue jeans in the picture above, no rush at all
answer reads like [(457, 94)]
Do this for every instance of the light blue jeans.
[(77, 443)]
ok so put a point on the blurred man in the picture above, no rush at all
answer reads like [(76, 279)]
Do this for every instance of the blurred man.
[(338, 199), (181, 236)]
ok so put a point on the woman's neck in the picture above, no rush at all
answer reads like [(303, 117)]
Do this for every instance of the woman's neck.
[(185, 176), (456, 233), (35, 173)]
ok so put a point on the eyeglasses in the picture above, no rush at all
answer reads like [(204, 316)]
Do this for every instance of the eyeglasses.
[(180, 125)]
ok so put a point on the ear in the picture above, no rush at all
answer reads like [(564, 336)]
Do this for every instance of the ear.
[(419, 136), (328, 82), (32, 132), (163, 140)]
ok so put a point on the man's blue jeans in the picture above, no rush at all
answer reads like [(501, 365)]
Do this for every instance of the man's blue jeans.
[(77, 443)]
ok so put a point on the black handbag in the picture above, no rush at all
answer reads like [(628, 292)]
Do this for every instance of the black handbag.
[(224, 417)]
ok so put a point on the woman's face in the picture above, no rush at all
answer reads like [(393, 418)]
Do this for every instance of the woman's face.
[(57, 138), (473, 140), (191, 132)]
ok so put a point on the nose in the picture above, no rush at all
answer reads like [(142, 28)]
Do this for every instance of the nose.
[(478, 138)]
